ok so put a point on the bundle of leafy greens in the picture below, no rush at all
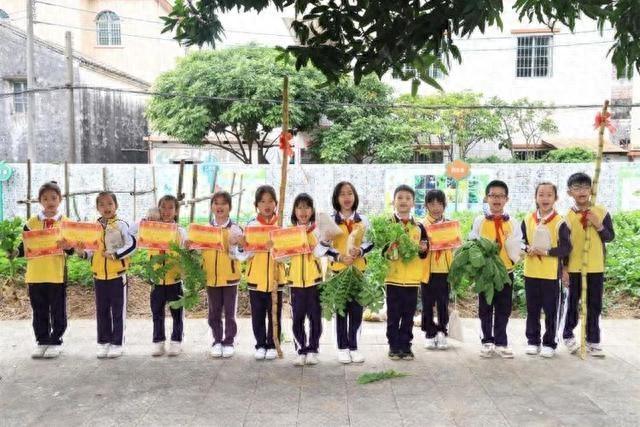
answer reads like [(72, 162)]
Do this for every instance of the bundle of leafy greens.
[(478, 262), (370, 377)]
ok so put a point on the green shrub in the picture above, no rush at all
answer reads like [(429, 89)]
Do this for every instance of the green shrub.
[(570, 155), (79, 271), (622, 269)]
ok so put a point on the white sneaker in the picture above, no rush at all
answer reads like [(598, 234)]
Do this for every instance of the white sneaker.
[(38, 351), (441, 341), (547, 352), (103, 351), (430, 344), (532, 349), (487, 350), (260, 353), (216, 351), (175, 348), (572, 345), (312, 359), (300, 360), (356, 356), (53, 351), (271, 354), (115, 351), (504, 352), (594, 350), (344, 356), (228, 351), (158, 349)]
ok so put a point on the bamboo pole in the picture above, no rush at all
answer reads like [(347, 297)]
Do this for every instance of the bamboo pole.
[(587, 238), (212, 190), (179, 194), (28, 188), (67, 206), (134, 194), (239, 199), (104, 179), (155, 187), (194, 190)]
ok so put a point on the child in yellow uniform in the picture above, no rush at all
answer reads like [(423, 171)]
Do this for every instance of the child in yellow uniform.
[(345, 204), (403, 278), (434, 284), (46, 278), (497, 226), (547, 243), (262, 274), (584, 218), (305, 274)]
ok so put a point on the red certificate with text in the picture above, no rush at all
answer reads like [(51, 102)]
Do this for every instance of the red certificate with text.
[(76, 233), (289, 241), (157, 235), (257, 237), (39, 243), (205, 237), (444, 235)]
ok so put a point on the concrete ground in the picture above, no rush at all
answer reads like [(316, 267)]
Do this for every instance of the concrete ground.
[(454, 387)]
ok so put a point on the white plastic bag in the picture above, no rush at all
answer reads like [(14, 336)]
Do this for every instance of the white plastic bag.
[(113, 240), (541, 238), (327, 227), (513, 247)]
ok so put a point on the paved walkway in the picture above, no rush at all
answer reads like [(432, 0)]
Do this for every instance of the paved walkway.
[(455, 387)]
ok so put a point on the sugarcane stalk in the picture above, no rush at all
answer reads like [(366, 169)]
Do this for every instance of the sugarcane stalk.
[(587, 238)]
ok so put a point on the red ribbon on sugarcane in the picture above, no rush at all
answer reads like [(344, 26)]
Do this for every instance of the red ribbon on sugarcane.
[(285, 146), (604, 119)]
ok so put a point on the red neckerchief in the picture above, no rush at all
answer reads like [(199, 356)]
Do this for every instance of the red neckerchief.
[(349, 224), (544, 221), (498, 220), (432, 220), (265, 221), (583, 216), (311, 227), (48, 222)]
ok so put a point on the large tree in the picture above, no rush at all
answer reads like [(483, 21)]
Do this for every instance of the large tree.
[(364, 36)]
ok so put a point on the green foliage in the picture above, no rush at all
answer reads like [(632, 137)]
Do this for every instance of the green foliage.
[(370, 377), (338, 290), (477, 262), (79, 271), (570, 155), (384, 233), (194, 278), (10, 237), (622, 268)]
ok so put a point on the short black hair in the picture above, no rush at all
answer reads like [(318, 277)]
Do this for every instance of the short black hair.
[(496, 183), (224, 195), (336, 193), (107, 194), (261, 191), (579, 178), (49, 186), (404, 187), (436, 196), (302, 198)]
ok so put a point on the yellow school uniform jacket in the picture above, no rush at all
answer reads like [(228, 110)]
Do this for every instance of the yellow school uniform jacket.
[(437, 261), (546, 266), (485, 226), (305, 270), (339, 245), (262, 268), (222, 267), (174, 273), (46, 269), (598, 239), (106, 268), (410, 273)]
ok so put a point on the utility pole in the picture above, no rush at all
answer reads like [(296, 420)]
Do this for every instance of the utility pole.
[(31, 105), (71, 108)]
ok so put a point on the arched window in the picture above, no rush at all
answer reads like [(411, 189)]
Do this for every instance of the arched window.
[(108, 29), (3, 15)]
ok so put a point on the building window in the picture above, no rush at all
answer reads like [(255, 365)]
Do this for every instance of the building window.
[(3, 15), (19, 99), (534, 56), (108, 29), (427, 156)]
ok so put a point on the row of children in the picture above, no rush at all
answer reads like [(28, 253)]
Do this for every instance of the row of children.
[(543, 270)]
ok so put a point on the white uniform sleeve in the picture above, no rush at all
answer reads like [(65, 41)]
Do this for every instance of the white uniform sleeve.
[(475, 228), (129, 241)]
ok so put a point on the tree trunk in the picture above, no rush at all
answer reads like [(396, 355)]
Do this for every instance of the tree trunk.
[(262, 157)]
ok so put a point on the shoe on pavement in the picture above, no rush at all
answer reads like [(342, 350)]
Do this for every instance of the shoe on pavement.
[(115, 351), (572, 345), (344, 356), (487, 350), (216, 351), (102, 351), (38, 351), (158, 349), (441, 341), (394, 355), (504, 352), (271, 354), (260, 353), (228, 351), (547, 352), (532, 349), (430, 344), (356, 356), (53, 351), (300, 360), (407, 355), (312, 359), (593, 349), (175, 348)]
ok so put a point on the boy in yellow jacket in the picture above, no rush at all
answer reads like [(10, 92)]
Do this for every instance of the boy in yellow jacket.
[(403, 278)]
